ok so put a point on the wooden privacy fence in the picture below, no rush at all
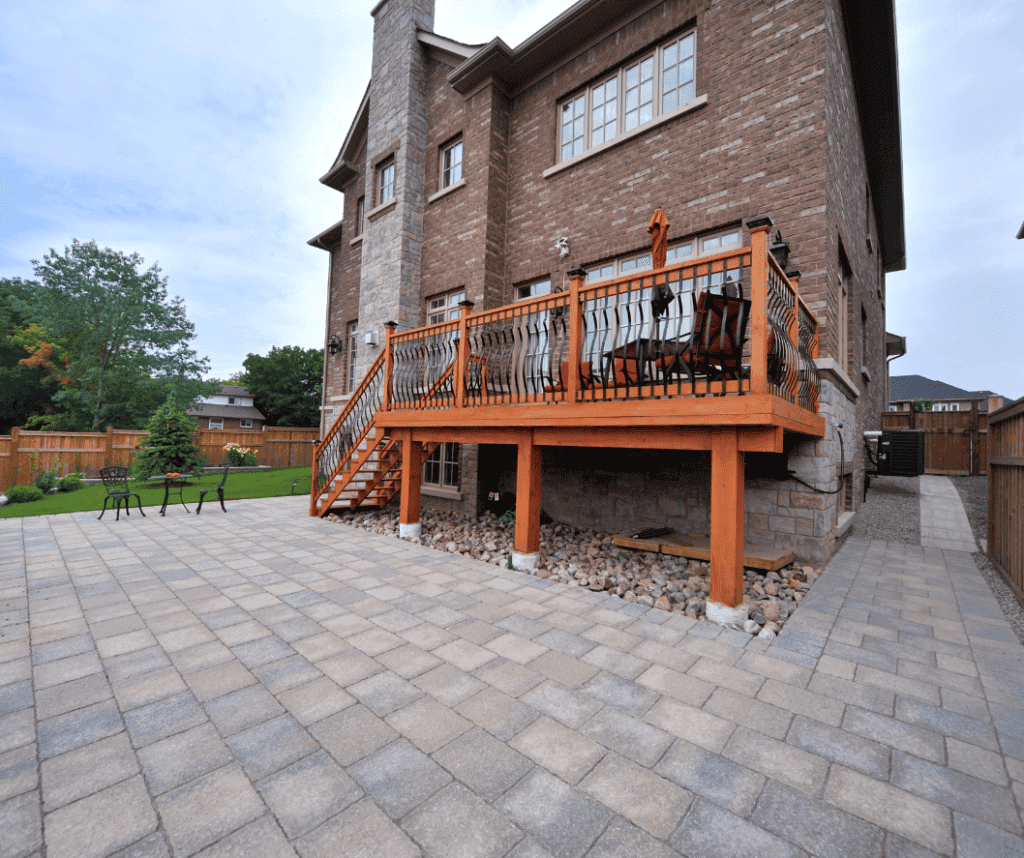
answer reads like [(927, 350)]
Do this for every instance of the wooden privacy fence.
[(278, 447), (955, 442), (1006, 492)]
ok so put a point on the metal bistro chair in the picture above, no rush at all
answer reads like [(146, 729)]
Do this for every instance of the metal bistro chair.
[(219, 489), (115, 481)]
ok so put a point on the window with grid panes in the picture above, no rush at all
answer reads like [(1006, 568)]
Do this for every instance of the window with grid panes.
[(442, 468), (451, 164), (351, 333), (444, 308), (360, 215), (386, 182), (633, 95)]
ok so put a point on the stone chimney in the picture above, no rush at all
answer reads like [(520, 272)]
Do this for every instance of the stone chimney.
[(389, 287)]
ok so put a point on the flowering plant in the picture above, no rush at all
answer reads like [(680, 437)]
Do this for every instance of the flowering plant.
[(239, 456)]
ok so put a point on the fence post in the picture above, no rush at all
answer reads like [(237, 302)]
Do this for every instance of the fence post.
[(577, 277), (15, 455), (759, 228)]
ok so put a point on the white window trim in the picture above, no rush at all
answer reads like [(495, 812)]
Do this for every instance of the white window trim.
[(530, 285), (216, 422), (441, 486), (450, 309), (699, 101), (444, 152), (244, 423), (392, 164)]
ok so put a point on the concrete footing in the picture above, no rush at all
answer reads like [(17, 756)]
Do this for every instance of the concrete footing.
[(410, 531), (525, 562), (726, 616)]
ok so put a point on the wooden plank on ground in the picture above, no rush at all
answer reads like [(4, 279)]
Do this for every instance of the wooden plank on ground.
[(699, 548)]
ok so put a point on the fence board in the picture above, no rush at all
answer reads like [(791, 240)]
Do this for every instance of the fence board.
[(278, 447), (1006, 492), (955, 442)]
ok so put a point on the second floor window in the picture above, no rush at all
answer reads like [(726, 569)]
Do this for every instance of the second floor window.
[(444, 308), (360, 215), (386, 182), (632, 96), (451, 164)]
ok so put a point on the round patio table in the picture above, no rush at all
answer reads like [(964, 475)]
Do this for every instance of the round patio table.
[(170, 485)]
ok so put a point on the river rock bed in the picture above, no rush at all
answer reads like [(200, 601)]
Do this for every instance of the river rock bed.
[(589, 558)]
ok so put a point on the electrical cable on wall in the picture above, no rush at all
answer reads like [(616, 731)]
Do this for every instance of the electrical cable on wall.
[(842, 470)]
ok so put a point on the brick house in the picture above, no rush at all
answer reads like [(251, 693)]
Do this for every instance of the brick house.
[(488, 174), (231, 408)]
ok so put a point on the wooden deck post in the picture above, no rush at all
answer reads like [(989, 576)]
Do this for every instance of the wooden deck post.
[(412, 476), (759, 228), (462, 354), (725, 604), (577, 277), (526, 551), (385, 397)]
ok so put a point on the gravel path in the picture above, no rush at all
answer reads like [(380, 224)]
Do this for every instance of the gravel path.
[(974, 495), (892, 511)]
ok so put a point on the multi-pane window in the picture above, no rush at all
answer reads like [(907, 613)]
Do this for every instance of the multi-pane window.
[(635, 94), (245, 424), (639, 93), (604, 112), (216, 422), (442, 467), (574, 127), (677, 73), (360, 215), (451, 164), (386, 182), (444, 308), (351, 332), (532, 290)]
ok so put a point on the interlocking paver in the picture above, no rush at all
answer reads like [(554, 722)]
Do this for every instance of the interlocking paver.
[(399, 777), (79, 727), (912, 709), (565, 821), (104, 822)]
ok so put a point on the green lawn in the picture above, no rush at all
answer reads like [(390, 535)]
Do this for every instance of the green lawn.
[(261, 484)]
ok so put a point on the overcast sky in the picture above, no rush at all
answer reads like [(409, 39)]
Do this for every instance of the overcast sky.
[(194, 133)]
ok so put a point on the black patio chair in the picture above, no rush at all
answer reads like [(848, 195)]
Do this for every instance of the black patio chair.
[(115, 481), (219, 489)]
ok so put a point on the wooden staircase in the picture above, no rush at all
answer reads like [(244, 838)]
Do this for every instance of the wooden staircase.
[(357, 464)]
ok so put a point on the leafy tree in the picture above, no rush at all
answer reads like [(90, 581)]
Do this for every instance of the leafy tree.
[(286, 385), (170, 445), (923, 404), (25, 388), (126, 345)]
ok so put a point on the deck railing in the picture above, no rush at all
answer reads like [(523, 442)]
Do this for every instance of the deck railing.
[(623, 334)]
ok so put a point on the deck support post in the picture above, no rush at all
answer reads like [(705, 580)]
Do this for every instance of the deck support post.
[(526, 551), (725, 604), (412, 474)]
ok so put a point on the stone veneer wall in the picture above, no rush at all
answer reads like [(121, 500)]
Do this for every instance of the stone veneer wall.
[(389, 284)]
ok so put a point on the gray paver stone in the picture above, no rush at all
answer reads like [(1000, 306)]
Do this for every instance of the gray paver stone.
[(21, 826), (622, 839), (19, 771), (484, 764), (850, 750), (399, 777), (80, 727), (630, 736), (455, 823), (976, 839), (362, 831), (86, 770), (270, 746), (260, 839), (240, 710), (102, 823), (156, 721), (309, 792), (734, 787), (564, 820), (560, 750), (713, 832), (179, 759), (352, 734)]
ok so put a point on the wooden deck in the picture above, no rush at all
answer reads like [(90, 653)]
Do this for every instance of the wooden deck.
[(546, 373)]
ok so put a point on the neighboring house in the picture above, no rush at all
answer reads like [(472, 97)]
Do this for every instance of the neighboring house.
[(232, 408), (905, 390), (465, 167)]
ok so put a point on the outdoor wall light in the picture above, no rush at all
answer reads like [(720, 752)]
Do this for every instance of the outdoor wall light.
[(333, 345), (780, 250)]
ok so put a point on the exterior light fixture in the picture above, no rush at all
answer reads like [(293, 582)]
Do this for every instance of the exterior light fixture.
[(780, 250), (333, 345)]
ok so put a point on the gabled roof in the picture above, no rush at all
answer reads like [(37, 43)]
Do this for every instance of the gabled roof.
[(346, 167), (906, 388), (233, 390), (213, 409)]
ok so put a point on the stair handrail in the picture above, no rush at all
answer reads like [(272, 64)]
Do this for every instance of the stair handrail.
[(356, 403)]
